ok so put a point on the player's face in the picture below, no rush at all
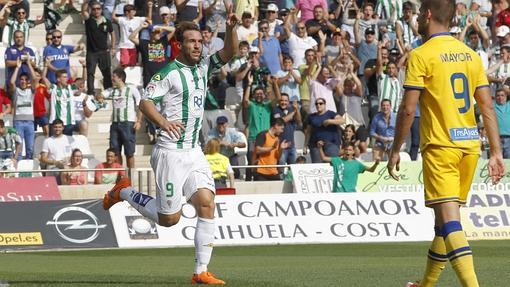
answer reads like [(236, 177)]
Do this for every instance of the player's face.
[(423, 22), (501, 98), (192, 46)]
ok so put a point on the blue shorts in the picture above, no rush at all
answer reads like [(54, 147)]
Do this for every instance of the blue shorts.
[(41, 121), (123, 134)]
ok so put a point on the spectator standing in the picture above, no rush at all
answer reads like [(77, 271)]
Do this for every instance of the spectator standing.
[(109, 177), (321, 85), (289, 79), (366, 49), (323, 125), (247, 31), (268, 150), (74, 177), (406, 27), (18, 50), (345, 168), (127, 24), (319, 22), (280, 29), (23, 99), (153, 51), (247, 6), (18, 23), (56, 150), (269, 47), (306, 71), (189, 10), (382, 130), (216, 12), (126, 118), (259, 116), (239, 67), (82, 103), (499, 72), (41, 95), (211, 43), (58, 55), (5, 104), (388, 84), (272, 19), (10, 147), (61, 101), (292, 120), (299, 42), (229, 139), (307, 8), (502, 108), (219, 164), (97, 30)]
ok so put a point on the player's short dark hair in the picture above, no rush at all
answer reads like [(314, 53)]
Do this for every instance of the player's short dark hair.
[(442, 10), (119, 72), (182, 27), (57, 122), (277, 122), (60, 72)]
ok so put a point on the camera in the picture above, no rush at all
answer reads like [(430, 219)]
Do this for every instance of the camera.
[(24, 58)]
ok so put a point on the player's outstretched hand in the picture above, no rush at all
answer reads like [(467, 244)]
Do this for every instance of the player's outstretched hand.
[(496, 168), (174, 128), (232, 20), (393, 163)]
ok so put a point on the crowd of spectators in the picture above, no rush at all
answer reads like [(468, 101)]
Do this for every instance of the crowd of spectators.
[(330, 70)]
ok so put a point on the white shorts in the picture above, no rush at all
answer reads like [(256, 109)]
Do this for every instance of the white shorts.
[(179, 173)]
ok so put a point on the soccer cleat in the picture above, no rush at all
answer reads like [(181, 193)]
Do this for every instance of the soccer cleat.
[(206, 278), (113, 196), (411, 284)]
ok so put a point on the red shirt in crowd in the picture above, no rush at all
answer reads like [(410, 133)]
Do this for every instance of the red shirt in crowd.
[(41, 92), (503, 18), (4, 100)]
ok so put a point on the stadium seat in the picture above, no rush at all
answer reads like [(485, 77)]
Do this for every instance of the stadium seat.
[(38, 143), (27, 165), (81, 142), (231, 97), (134, 76), (299, 141)]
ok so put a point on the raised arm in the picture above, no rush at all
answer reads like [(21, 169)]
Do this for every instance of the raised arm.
[(323, 155), (4, 14), (231, 45), (85, 10), (12, 82), (133, 37), (45, 74), (247, 91)]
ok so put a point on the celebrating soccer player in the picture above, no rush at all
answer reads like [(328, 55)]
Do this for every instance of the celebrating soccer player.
[(179, 165), (445, 75)]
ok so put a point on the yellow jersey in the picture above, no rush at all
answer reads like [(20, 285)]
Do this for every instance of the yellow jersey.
[(448, 72)]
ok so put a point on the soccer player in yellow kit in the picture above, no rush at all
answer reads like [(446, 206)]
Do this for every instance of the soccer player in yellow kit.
[(445, 75)]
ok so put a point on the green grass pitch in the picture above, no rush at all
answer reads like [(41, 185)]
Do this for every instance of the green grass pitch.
[(381, 265)]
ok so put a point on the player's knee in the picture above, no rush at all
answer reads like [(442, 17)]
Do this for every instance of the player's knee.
[(169, 220)]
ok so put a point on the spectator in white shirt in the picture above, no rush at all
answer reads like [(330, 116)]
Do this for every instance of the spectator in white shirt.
[(299, 42)]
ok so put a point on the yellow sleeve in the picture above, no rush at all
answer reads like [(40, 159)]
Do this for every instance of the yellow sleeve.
[(415, 73)]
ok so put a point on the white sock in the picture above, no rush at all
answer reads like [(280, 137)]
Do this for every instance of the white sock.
[(204, 239), (145, 204)]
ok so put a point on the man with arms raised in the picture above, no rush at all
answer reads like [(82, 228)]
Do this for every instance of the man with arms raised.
[(444, 75), (179, 165)]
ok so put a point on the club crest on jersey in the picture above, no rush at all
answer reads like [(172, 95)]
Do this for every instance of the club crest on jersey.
[(156, 77), (197, 102)]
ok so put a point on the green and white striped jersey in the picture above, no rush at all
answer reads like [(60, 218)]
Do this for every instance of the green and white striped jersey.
[(125, 101), (391, 89), (13, 25), (61, 104), (181, 91)]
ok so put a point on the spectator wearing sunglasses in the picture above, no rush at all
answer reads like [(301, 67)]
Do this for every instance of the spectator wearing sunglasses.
[(16, 22), (58, 55)]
